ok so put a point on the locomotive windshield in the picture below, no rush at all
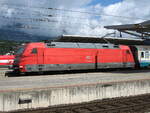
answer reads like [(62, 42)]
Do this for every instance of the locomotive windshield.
[(20, 51)]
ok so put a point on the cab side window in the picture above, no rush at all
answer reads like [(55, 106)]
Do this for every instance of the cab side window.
[(34, 51), (128, 52)]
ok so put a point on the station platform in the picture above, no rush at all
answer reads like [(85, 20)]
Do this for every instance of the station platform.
[(3, 72), (52, 90)]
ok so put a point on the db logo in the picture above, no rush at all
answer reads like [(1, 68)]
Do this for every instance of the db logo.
[(88, 58)]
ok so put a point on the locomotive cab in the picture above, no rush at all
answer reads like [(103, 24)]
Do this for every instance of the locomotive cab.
[(26, 55)]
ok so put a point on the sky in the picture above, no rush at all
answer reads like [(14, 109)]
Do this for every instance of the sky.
[(104, 2), (71, 17)]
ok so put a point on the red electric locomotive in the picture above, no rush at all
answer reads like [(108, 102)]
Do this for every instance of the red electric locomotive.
[(58, 56)]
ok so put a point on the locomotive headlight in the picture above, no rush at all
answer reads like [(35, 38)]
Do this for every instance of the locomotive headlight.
[(20, 67)]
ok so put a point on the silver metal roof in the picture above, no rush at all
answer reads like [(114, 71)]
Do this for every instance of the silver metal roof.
[(140, 29), (81, 45)]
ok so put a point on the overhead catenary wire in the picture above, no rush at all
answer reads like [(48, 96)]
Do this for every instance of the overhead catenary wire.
[(69, 10), (45, 20), (29, 27), (46, 17), (97, 14), (65, 25), (55, 27), (43, 15), (35, 27)]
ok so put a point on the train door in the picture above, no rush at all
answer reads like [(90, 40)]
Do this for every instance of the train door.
[(128, 59), (126, 55), (134, 51), (96, 60), (32, 57), (40, 59), (144, 57)]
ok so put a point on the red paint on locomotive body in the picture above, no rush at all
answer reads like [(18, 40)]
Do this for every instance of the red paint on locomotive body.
[(69, 56), (36, 57), (121, 55)]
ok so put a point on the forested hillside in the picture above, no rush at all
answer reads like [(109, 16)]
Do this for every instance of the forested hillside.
[(8, 46)]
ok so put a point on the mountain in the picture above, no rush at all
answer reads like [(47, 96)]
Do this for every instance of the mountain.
[(6, 34)]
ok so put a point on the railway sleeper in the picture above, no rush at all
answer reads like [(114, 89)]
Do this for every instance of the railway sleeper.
[(92, 108), (81, 110)]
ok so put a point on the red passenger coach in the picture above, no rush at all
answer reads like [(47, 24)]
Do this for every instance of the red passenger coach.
[(58, 56), (6, 60)]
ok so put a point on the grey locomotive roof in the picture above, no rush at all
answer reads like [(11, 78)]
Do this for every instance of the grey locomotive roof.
[(80, 45)]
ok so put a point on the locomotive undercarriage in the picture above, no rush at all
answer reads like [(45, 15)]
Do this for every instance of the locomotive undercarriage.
[(63, 67)]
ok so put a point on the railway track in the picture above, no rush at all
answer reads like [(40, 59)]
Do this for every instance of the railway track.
[(136, 104)]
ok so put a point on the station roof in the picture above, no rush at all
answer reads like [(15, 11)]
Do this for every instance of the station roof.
[(143, 29), (96, 39), (140, 30)]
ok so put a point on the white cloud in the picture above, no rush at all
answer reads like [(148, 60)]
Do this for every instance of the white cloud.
[(76, 23), (134, 10)]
